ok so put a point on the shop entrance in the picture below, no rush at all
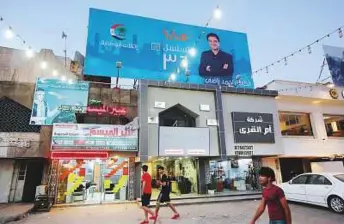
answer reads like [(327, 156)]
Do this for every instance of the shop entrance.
[(182, 173), (291, 167), (93, 181)]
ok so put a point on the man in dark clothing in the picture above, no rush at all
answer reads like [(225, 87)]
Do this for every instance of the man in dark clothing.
[(215, 62), (164, 196), (273, 197)]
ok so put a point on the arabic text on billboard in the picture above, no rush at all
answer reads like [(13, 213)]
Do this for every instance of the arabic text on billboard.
[(160, 50), (56, 101), (94, 137)]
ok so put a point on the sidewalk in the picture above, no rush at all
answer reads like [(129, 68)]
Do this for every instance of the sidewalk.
[(14, 212), (204, 199)]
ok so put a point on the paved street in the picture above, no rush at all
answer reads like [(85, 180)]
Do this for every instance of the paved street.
[(233, 213)]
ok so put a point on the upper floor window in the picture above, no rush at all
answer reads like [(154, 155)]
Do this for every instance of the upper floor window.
[(295, 124), (334, 125)]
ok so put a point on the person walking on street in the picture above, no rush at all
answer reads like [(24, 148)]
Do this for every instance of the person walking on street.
[(273, 198), (164, 196), (146, 181)]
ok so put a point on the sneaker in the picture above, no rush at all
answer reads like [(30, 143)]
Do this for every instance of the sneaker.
[(176, 216), (153, 217)]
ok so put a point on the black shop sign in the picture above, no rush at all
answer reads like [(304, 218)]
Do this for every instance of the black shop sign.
[(253, 127)]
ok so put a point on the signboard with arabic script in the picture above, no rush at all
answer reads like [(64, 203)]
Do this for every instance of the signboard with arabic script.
[(253, 127), (154, 49), (94, 137)]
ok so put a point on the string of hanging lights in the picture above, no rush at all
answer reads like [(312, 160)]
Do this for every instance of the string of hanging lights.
[(307, 48)]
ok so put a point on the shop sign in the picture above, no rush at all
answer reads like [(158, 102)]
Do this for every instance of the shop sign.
[(184, 141), (94, 137), (243, 150), (253, 127)]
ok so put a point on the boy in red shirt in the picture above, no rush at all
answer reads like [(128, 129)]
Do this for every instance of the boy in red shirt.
[(146, 181), (273, 197)]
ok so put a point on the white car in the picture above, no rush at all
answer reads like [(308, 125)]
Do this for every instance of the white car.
[(323, 189)]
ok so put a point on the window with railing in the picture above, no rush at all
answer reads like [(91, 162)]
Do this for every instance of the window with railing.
[(295, 124), (334, 125)]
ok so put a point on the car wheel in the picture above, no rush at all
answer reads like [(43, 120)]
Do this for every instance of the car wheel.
[(336, 204)]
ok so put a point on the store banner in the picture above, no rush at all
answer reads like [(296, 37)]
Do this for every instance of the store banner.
[(253, 127), (57, 101), (182, 141), (73, 137), (335, 61), (159, 50)]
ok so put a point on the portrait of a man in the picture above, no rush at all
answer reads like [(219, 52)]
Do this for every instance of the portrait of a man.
[(40, 106), (215, 62)]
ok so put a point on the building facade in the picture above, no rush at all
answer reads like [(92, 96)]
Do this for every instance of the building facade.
[(311, 120), (205, 137)]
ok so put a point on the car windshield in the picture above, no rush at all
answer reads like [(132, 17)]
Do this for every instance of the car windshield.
[(340, 177)]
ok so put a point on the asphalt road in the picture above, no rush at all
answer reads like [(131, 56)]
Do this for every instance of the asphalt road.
[(220, 213)]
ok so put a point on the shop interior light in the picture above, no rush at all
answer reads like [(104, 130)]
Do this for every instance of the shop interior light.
[(63, 78), (70, 81)]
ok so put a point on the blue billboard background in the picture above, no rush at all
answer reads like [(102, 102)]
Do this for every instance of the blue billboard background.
[(57, 101), (154, 49), (335, 62)]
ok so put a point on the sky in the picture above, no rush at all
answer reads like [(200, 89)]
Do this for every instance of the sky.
[(274, 28)]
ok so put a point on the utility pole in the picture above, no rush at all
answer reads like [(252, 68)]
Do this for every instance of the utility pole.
[(64, 36)]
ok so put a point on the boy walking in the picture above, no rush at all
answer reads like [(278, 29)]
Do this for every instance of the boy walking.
[(164, 196), (273, 197), (146, 181)]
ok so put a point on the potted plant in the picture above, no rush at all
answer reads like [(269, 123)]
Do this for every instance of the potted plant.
[(212, 186)]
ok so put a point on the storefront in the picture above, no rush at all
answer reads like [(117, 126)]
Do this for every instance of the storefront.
[(96, 163), (182, 172), (232, 175)]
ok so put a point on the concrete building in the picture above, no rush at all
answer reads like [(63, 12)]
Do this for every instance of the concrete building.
[(15, 66), (311, 120), (207, 138)]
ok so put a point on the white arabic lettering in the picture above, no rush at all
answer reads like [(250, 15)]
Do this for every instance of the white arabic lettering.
[(268, 130), (168, 59)]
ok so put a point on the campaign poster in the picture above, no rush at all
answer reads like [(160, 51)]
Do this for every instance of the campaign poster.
[(153, 49), (57, 101), (335, 61)]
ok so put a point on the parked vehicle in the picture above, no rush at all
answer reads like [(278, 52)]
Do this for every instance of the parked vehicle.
[(323, 189)]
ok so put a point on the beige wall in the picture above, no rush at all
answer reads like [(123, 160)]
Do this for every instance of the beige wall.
[(6, 171), (252, 104), (189, 99)]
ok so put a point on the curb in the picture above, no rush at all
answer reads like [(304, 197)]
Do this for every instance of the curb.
[(175, 202), (16, 217)]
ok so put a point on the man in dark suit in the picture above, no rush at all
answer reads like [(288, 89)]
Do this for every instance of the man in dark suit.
[(215, 62)]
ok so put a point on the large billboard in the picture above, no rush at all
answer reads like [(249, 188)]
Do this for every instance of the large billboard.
[(159, 50), (335, 61), (70, 137), (57, 101)]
